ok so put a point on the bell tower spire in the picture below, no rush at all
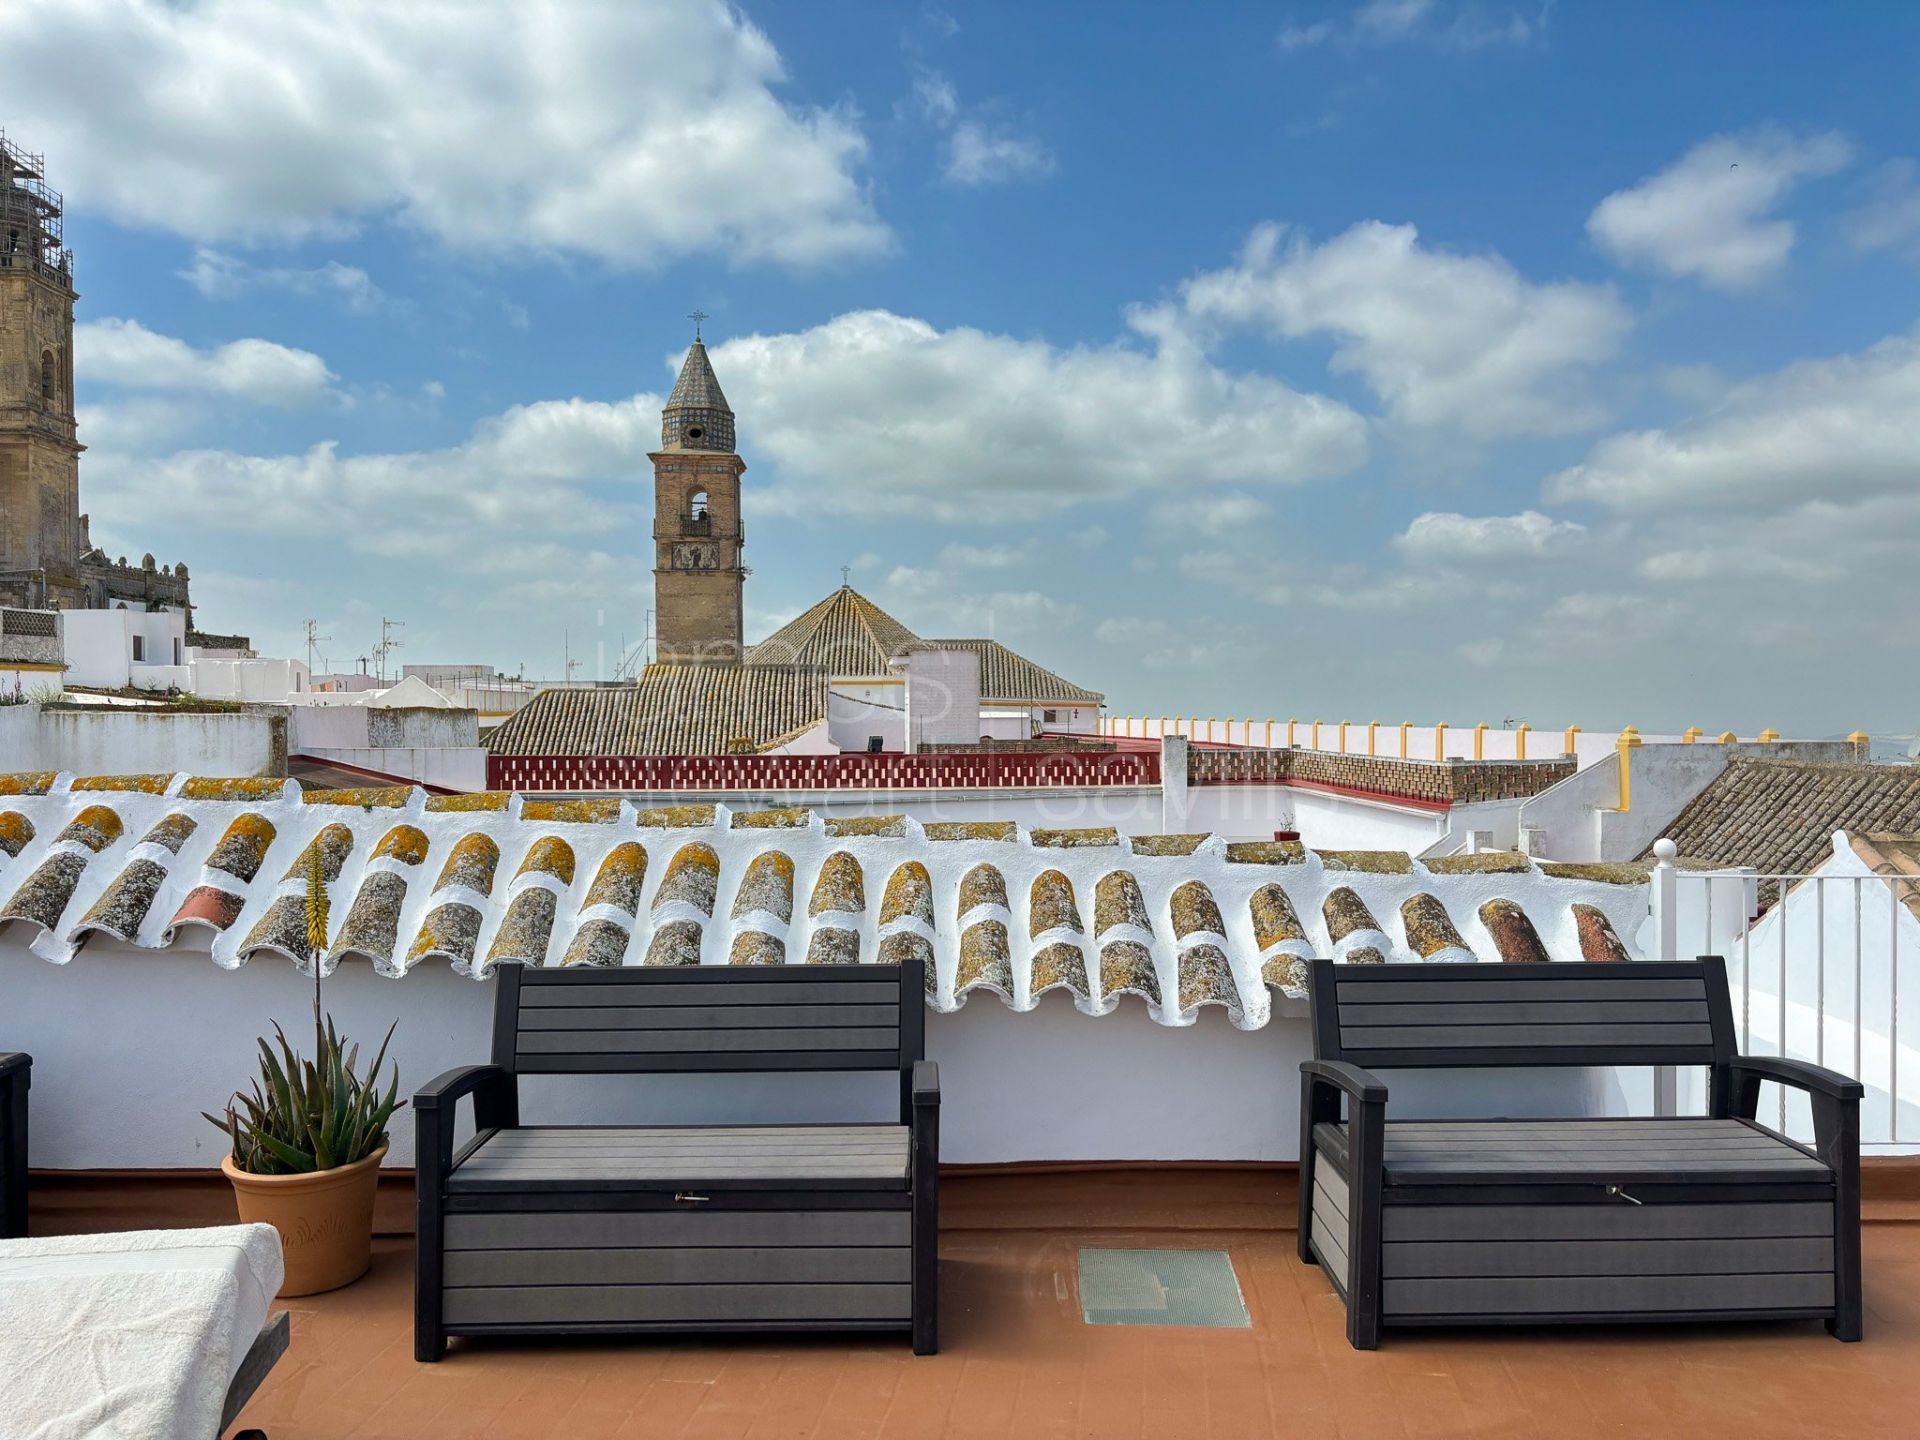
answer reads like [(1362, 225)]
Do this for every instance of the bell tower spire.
[(699, 581)]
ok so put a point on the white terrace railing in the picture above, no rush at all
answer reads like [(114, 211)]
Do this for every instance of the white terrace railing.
[(1818, 963), (1407, 741)]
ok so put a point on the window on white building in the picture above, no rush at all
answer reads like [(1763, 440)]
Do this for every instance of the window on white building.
[(139, 649)]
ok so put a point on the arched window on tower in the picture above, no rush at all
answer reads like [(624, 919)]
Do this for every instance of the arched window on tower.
[(49, 378), (699, 518)]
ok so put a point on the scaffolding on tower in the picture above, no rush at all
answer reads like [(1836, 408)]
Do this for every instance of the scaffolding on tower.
[(30, 216)]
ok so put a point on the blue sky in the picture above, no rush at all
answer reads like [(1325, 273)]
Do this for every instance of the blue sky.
[(1400, 361)]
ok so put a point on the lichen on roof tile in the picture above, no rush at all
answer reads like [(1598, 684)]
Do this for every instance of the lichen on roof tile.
[(242, 847), (1051, 906), (1599, 941), (1266, 852), (677, 817), (28, 782), (904, 945), (1625, 872), (1274, 918), (971, 830), (1346, 914), (767, 886), (692, 878), (470, 864), (1430, 929), (1194, 911), (791, 817), (1126, 968), (599, 810), (43, 896), (1059, 966), (1165, 844), (1513, 933), (527, 930), (618, 880), (245, 789), (372, 926), (451, 930), (95, 827), (405, 843), (1486, 862), (982, 885), (369, 797), (479, 802), (1117, 901), (833, 945), (909, 893), (123, 906), (839, 886), (549, 855), (16, 833), (332, 844), (597, 945), (986, 959), (1371, 862), (756, 947), (1206, 978), (1091, 838), (143, 784), (840, 827)]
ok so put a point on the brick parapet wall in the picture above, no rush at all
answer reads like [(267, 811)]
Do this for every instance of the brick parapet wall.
[(759, 773), (1449, 782)]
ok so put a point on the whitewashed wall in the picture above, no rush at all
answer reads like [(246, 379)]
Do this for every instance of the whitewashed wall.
[(129, 1047), (99, 740)]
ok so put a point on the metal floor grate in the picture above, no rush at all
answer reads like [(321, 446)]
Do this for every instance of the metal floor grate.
[(1161, 1287)]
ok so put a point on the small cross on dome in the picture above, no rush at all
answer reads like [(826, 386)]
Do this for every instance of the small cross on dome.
[(696, 315)]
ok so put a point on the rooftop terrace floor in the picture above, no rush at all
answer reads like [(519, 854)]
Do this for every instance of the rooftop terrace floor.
[(1017, 1360)]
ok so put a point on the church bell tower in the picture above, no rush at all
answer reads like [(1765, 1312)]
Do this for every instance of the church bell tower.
[(698, 580), (40, 522)]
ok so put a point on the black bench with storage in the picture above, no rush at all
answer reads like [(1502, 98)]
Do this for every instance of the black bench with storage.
[(577, 1230), (16, 1075), (1504, 1221)]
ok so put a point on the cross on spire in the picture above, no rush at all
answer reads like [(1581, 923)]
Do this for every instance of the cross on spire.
[(696, 315)]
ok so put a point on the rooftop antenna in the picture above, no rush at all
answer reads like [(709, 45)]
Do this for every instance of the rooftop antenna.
[(313, 640), (387, 643), (696, 315)]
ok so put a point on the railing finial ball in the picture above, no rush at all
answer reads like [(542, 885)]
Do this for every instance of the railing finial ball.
[(1665, 851)]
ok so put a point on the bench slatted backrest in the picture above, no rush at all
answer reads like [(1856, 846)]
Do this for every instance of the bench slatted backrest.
[(1447, 1016), (708, 1018)]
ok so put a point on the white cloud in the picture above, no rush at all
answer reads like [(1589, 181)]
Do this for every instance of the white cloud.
[(1709, 215), (1891, 218), (124, 353), (219, 276), (629, 133), (874, 412), (987, 557), (1419, 22), (978, 154), (1092, 537), (1841, 426), (1442, 537), (1443, 339), (979, 150)]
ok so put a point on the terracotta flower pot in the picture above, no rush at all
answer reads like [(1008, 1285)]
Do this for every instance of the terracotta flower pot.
[(325, 1219)]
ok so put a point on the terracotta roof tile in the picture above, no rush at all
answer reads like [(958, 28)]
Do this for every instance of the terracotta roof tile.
[(990, 908)]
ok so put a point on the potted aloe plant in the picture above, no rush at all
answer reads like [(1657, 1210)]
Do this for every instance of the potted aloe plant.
[(309, 1139)]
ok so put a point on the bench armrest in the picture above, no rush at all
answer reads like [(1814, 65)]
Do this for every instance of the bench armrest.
[(1360, 1084), (496, 1104), (1814, 1079), (926, 1084), (15, 1063)]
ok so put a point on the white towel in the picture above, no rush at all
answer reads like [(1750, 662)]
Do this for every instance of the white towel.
[(133, 1336)]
